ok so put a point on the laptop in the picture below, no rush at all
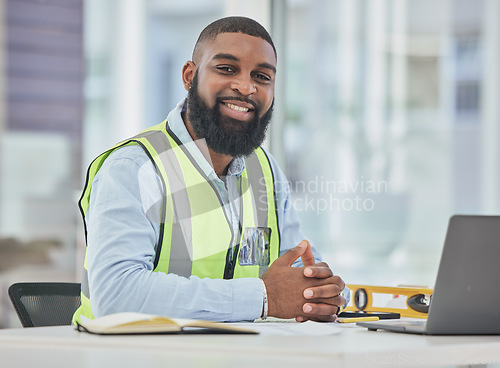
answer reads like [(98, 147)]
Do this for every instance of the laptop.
[(466, 297)]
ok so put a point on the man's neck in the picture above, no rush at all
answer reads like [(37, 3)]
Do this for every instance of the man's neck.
[(218, 161)]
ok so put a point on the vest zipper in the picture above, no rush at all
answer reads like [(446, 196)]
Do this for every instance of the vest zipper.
[(232, 254), (231, 262)]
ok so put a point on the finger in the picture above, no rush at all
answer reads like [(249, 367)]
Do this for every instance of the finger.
[(319, 309), (337, 301), (331, 305), (327, 318), (342, 284), (318, 271), (322, 264), (308, 256), (324, 291), (293, 254)]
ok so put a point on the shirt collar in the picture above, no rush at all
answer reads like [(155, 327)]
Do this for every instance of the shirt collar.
[(178, 127)]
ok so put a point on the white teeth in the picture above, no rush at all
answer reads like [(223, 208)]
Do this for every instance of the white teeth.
[(237, 108)]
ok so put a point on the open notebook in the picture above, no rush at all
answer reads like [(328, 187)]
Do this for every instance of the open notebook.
[(139, 323)]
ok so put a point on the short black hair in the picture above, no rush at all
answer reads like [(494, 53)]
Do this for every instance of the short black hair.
[(233, 25)]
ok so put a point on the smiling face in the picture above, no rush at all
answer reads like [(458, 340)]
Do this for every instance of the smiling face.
[(231, 92)]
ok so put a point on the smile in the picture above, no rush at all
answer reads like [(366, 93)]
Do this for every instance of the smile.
[(236, 108)]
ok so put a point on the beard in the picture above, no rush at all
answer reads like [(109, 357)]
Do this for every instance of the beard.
[(223, 134)]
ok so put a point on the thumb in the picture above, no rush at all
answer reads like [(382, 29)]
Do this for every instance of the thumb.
[(308, 256), (293, 254)]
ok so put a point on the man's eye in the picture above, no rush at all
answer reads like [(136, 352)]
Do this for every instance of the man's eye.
[(263, 77), (225, 69)]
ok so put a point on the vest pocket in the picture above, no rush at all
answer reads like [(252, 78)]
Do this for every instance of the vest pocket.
[(255, 247)]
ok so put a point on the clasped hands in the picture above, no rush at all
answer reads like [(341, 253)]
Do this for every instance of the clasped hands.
[(310, 292)]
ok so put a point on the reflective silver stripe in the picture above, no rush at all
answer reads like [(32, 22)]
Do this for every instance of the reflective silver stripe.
[(181, 245), (144, 135), (85, 283), (258, 187)]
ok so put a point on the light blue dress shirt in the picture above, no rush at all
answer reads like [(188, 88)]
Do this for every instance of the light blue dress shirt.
[(123, 230)]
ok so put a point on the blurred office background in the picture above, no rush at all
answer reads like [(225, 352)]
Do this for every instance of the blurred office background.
[(387, 120)]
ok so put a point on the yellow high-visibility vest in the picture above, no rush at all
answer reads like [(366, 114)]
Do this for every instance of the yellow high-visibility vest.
[(196, 237)]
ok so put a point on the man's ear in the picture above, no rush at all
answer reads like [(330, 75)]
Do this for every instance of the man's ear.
[(188, 71)]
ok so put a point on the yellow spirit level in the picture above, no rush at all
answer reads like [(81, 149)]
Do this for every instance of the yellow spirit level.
[(417, 299)]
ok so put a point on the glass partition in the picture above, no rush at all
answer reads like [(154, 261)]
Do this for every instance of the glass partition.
[(390, 124)]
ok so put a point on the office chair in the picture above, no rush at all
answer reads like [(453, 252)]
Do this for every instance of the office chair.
[(45, 303)]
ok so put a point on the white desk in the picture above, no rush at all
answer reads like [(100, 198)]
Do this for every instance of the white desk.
[(353, 347)]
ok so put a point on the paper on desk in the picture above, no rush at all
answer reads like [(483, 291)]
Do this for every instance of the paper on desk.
[(286, 328)]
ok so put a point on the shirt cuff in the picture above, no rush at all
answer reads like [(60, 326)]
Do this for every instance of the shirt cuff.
[(247, 299)]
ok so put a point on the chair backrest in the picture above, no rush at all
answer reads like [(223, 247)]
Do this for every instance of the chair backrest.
[(45, 303)]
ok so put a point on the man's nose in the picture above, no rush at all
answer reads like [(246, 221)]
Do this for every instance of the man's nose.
[(244, 85)]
